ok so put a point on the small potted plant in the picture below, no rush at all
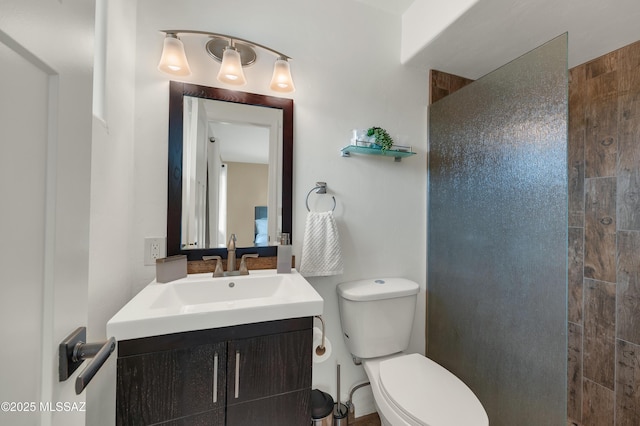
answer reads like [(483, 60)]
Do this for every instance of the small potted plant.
[(380, 137)]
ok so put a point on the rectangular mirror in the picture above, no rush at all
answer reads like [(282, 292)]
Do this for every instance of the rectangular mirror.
[(230, 170), (231, 173)]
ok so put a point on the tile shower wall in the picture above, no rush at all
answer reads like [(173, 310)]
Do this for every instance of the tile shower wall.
[(442, 84), (604, 240)]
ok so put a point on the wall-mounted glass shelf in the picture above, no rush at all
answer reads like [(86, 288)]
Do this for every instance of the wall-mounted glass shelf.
[(396, 154)]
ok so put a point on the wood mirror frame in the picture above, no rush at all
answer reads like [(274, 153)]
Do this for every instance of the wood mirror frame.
[(177, 91)]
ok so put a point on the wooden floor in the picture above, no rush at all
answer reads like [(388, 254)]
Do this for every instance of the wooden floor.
[(373, 420), (368, 420)]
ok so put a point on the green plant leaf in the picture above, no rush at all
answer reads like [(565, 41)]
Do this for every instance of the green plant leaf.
[(381, 137)]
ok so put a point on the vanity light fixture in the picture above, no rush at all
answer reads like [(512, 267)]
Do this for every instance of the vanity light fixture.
[(173, 60), (281, 80), (233, 54), (231, 67)]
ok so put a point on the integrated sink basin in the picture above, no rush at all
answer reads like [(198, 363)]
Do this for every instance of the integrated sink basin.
[(190, 296), (200, 302)]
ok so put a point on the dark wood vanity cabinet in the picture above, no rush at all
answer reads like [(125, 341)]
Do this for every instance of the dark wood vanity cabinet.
[(172, 384), (243, 375)]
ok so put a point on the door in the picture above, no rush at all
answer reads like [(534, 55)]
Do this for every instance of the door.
[(169, 385), (269, 379), (45, 132)]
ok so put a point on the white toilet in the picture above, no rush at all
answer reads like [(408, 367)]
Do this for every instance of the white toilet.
[(409, 389)]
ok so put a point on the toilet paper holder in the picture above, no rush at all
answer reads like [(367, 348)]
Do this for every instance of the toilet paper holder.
[(320, 350)]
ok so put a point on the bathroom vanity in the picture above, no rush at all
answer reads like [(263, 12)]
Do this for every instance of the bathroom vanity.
[(217, 351), (243, 375)]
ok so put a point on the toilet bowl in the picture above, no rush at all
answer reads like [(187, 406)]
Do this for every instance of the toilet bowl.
[(412, 390), (408, 389)]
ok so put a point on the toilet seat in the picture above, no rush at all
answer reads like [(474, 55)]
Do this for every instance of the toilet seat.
[(424, 393)]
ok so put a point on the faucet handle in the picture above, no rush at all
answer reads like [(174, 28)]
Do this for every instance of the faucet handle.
[(219, 271), (243, 265)]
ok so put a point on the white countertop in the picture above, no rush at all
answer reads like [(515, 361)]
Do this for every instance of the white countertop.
[(200, 302)]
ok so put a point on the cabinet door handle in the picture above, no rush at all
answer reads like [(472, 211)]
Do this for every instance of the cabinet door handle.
[(215, 378), (237, 390)]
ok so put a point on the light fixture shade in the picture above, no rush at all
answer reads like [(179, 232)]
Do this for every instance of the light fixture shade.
[(231, 68), (173, 59), (281, 80)]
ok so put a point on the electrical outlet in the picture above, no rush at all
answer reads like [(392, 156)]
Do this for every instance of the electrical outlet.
[(154, 248)]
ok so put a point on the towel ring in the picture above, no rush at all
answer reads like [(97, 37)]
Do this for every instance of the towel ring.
[(320, 188)]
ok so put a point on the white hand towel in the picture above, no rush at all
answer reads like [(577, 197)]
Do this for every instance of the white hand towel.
[(321, 254)]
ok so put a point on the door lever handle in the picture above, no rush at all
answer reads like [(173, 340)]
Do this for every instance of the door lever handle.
[(73, 351)]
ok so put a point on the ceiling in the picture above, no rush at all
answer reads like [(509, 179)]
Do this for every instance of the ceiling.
[(242, 132), (494, 32), (241, 143), (396, 7)]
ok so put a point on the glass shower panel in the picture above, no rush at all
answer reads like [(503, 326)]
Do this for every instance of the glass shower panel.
[(497, 223)]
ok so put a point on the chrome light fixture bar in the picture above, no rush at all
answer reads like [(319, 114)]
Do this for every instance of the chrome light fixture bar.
[(233, 53)]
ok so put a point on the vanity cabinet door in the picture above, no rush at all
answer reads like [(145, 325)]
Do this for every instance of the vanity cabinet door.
[(290, 409), (160, 387), (210, 418), (277, 366)]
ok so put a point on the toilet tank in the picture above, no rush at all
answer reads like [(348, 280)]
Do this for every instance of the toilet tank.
[(377, 315)]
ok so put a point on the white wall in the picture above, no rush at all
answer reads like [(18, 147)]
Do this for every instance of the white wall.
[(110, 265), (425, 20), (348, 75)]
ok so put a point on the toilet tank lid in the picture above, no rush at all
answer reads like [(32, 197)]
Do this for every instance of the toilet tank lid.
[(377, 289)]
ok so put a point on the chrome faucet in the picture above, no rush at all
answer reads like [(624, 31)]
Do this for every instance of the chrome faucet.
[(231, 261), (231, 254)]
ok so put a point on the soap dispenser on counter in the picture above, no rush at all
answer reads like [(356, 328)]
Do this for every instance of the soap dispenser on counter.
[(284, 254)]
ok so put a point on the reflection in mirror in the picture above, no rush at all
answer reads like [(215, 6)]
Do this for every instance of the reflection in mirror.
[(231, 173), (230, 170)]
